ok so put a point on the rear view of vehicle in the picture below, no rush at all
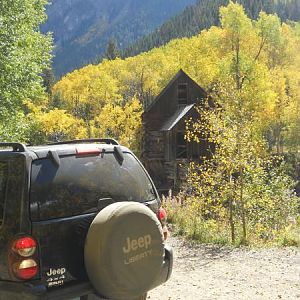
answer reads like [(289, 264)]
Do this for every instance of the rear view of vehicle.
[(79, 218)]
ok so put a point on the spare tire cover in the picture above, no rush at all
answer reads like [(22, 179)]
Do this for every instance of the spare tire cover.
[(124, 250)]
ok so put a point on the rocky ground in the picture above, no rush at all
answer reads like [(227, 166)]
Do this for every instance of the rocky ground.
[(219, 272)]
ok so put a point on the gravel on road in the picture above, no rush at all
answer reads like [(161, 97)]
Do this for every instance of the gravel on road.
[(220, 272)]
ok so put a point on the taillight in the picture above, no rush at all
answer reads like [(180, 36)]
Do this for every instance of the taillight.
[(162, 215), (23, 258), (87, 150), (25, 246), (26, 269)]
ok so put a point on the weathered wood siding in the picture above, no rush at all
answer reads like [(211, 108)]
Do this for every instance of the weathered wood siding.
[(160, 150), (176, 173), (154, 145)]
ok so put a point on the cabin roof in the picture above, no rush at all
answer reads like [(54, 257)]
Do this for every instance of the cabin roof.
[(176, 117), (177, 75)]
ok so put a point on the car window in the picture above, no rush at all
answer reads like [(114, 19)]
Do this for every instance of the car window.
[(80, 183), (3, 181)]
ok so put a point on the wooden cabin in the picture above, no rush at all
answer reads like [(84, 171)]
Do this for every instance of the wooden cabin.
[(166, 153)]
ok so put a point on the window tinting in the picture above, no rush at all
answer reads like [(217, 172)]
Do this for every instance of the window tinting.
[(76, 186), (3, 180)]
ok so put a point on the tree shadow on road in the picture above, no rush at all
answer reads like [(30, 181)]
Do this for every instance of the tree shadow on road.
[(194, 254)]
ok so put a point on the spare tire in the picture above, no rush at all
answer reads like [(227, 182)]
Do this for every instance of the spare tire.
[(124, 250)]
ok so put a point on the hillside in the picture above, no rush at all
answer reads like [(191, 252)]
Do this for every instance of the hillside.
[(112, 84), (203, 15), (82, 29)]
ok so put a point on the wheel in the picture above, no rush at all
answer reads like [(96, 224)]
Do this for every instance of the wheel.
[(124, 251)]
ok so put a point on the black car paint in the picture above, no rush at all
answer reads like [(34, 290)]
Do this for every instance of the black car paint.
[(60, 240)]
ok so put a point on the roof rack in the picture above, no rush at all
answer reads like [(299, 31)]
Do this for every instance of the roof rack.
[(106, 141), (16, 146)]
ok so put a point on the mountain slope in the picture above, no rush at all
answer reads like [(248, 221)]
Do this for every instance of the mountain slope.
[(82, 28), (204, 14)]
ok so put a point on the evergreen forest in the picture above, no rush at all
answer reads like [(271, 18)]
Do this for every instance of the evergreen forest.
[(204, 14)]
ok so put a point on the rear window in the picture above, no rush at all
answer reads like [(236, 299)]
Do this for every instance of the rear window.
[(79, 184), (3, 181)]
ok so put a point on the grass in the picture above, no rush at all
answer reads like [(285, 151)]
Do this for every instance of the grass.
[(185, 222)]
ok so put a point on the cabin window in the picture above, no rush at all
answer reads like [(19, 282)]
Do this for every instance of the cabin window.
[(181, 145), (182, 93)]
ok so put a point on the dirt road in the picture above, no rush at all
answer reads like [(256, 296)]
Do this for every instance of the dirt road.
[(215, 272)]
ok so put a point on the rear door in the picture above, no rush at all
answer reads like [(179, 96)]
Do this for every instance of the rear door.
[(66, 196)]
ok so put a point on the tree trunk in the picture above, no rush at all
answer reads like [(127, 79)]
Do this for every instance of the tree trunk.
[(244, 226), (231, 221)]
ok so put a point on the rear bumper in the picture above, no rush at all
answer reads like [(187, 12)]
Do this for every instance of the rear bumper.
[(36, 291), (21, 291), (167, 267)]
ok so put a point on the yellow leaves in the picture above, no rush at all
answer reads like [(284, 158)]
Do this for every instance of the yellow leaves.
[(89, 85), (31, 106), (57, 121), (235, 21), (253, 67), (58, 124), (120, 122)]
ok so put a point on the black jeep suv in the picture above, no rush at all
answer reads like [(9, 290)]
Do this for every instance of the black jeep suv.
[(79, 218)]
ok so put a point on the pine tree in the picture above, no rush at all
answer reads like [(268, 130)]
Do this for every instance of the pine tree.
[(112, 50), (48, 80)]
